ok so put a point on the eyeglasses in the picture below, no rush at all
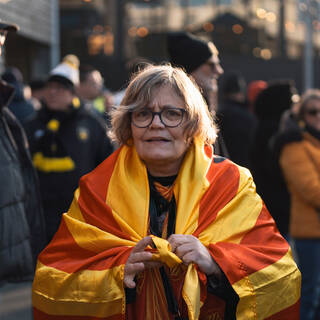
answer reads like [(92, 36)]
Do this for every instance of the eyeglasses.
[(312, 112), (170, 117)]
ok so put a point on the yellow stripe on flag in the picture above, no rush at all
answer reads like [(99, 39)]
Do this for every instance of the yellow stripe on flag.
[(81, 293), (74, 210), (92, 238), (275, 297), (191, 292), (129, 198), (190, 186)]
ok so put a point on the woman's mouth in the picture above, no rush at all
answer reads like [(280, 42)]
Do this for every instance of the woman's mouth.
[(158, 140)]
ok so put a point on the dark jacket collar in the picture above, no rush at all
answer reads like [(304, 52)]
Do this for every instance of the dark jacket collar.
[(314, 132), (6, 94)]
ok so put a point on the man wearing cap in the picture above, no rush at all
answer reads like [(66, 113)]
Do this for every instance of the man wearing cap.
[(66, 141), (22, 234), (200, 59)]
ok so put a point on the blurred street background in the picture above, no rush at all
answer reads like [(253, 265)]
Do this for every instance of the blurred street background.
[(262, 39)]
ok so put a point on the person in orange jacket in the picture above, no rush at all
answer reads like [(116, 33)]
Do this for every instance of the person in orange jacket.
[(300, 163)]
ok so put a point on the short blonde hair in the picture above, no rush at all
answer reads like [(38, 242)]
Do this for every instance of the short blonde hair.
[(139, 94)]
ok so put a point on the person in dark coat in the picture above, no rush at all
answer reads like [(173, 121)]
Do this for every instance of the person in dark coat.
[(200, 59), (22, 234), (19, 105), (269, 107), (66, 141), (37, 90), (237, 124)]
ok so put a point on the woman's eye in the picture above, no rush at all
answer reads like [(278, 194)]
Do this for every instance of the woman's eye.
[(142, 114), (172, 113)]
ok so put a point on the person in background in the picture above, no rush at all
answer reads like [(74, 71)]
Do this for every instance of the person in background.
[(270, 105), (22, 228), (66, 141), (37, 87), (253, 90), (237, 124), (92, 91), (300, 163), (133, 66), (19, 105), (164, 228), (289, 118), (200, 59)]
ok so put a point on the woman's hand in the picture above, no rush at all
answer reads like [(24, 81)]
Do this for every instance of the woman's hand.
[(190, 250), (138, 261)]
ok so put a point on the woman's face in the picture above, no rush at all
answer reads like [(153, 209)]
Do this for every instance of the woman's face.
[(57, 97), (161, 148), (312, 113)]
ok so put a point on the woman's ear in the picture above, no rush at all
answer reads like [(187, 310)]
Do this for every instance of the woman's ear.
[(130, 141), (189, 140)]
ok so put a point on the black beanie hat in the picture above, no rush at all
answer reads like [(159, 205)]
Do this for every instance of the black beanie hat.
[(275, 99), (62, 80), (232, 82), (188, 51)]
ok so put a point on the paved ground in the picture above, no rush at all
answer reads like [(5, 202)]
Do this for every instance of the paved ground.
[(15, 302)]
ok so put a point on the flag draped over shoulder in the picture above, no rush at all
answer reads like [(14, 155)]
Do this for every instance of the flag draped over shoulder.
[(80, 274)]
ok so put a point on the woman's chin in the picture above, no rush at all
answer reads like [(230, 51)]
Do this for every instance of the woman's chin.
[(157, 159)]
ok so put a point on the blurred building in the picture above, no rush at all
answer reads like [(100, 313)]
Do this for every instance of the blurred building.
[(35, 47), (273, 19), (263, 39), (94, 31)]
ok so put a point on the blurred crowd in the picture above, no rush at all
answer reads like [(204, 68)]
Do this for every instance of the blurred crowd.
[(266, 126)]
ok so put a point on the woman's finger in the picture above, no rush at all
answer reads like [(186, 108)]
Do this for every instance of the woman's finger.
[(175, 241), (184, 249), (129, 282), (142, 244), (188, 258), (130, 271), (140, 257)]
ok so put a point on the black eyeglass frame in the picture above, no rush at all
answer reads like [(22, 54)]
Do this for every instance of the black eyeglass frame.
[(312, 112), (159, 114)]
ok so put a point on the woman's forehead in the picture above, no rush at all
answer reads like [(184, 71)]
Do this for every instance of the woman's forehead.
[(165, 95), (313, 102)]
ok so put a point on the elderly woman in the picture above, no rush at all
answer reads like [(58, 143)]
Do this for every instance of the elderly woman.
[(163, 228), (300, 163)]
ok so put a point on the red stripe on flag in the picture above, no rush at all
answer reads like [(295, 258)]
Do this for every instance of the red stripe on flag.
[(208, 150), (266, 241), (101, 175), (259, 248), (290, 313), (64, 254), (219, 192)]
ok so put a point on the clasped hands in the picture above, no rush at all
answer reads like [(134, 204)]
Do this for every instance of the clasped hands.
[(187, 247)]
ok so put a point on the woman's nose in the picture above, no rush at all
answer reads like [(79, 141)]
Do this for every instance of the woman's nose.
[(219, 70), (156, 121)]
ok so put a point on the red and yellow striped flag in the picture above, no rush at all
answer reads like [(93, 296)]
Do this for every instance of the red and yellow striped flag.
[(80, 274)]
